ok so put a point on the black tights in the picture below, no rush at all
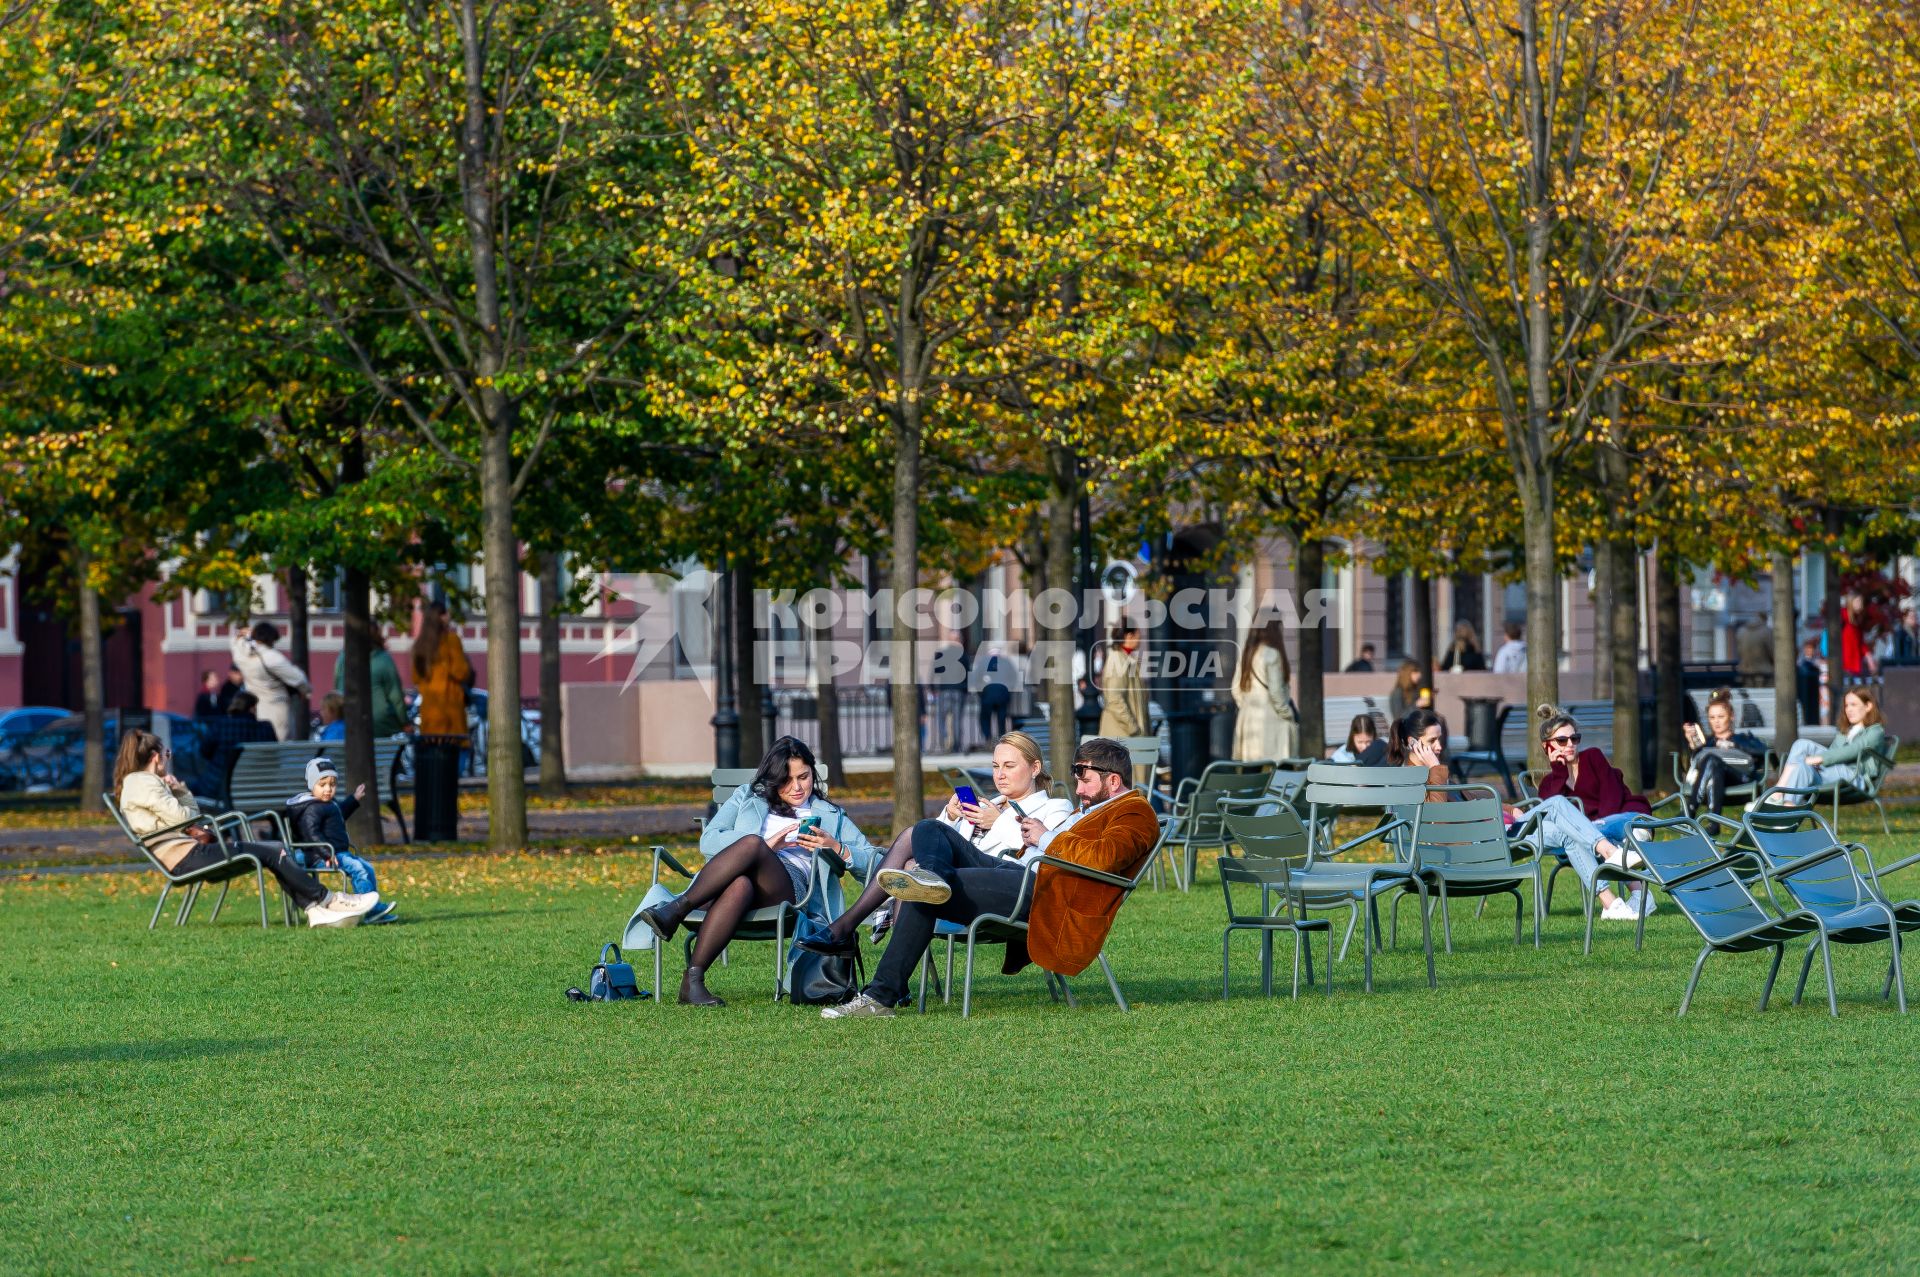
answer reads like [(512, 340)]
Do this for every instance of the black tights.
[(740, 878), (896, 858)]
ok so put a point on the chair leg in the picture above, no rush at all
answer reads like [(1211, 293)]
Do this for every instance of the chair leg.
[(1589, 896), (1226, 959), (186, 904), (1266, 961), (966, 990), (1353, 917), (1329, 961), (1446, 916), (1373, 903), (926, 964), (1686, 999), (158, 905), (1826, 960), (1773, 972), (1066, 991), (1519, 903), (1885, 829), (1806, 969), (1310, 952), (1118, 998), (260, 881), (1368, 938), (1297, 946), (1426, 929), (220, 900), (1393, 920), (946, 989)]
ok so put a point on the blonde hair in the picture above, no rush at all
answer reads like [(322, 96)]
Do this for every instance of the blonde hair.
[(1552, 719), (1030, 750)]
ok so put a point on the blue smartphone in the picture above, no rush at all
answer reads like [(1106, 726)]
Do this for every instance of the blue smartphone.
[(809, 823), (965, 794)]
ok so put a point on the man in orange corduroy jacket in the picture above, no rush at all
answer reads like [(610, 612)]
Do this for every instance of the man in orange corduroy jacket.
[(1068, 917)]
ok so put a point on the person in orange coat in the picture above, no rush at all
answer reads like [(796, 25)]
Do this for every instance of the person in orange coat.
[(1069, 915), (442, 675)]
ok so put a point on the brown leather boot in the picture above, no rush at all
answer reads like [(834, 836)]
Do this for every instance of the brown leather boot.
[(693, 990)]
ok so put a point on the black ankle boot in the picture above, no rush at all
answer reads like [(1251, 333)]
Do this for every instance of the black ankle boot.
[(693, 990), (664, 918)]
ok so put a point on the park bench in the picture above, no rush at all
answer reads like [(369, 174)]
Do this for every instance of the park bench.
[(1339, 712), (266, 774)]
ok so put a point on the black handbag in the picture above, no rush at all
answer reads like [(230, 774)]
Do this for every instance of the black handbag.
[(824, 979)]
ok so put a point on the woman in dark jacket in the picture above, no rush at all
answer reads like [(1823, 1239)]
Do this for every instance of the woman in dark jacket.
[(1721, 757)]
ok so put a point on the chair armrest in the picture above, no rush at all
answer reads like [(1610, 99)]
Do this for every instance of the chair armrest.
[(661, 856), (1905, 862), (1804, 862), (1376, 832), (1713, 867), (1715, 818), (1113, 880)]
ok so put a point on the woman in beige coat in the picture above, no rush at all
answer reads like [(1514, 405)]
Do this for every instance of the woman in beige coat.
[(1124, 692), (1268, 726)]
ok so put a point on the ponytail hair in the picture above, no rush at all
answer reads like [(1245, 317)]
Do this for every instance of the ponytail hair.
[(137, 750), (1029, 749), (1403, 731), (1552, 719)]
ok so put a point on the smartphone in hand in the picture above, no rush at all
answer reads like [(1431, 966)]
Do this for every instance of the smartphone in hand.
[(965, 794)]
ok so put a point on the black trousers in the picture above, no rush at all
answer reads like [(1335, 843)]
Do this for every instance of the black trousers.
[(993, 719), (982, 884), (1712, 776), (301, 887)]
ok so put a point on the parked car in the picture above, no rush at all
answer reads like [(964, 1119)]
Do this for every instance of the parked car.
[(56, 753)]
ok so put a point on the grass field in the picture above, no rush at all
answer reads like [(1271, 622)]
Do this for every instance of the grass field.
[(421, 1098)]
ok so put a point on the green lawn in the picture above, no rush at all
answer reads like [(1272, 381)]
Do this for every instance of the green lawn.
[(421, 1098)]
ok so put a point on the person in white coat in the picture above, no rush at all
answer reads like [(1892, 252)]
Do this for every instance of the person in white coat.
[(1268, 726), (275, 681), (989, 828)]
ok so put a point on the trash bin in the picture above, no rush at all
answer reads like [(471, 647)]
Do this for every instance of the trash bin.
[(436, 788), (1483, 723)]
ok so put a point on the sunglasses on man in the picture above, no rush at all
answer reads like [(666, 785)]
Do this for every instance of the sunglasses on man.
[(1080, 770)]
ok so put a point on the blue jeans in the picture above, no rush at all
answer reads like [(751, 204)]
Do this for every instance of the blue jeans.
[(359, 873), (1798, 773), (1565, 826)]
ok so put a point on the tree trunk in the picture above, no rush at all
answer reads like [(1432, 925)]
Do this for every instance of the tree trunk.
[(1422, 640), (1623, 649), (1602, 601), (299, 651), (506, 777), (93, 686), (1835, 617), (553, 763), (1786, 687), (1669, 710), (1543, 603), (903, 576), (1063, 728), (506, 772), (826, 695), (356, 688), (1309, 562), (754, 734)]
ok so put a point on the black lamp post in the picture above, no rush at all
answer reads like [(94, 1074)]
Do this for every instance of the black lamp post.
[(1089, 711), (726, 716)]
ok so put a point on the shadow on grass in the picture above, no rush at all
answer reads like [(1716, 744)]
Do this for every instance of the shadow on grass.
[(22, 1066)]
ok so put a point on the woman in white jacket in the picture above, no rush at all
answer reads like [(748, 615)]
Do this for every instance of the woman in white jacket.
[(991, 827), (160, 811), (1267, 725), (271, 677)]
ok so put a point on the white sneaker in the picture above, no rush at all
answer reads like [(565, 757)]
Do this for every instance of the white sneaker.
[(865, 1005), (916, 883), (362, 903), (1620, 911), (326, 915)]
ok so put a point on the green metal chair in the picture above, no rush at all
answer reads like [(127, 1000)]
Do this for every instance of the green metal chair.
[(1267, 829), (774, 922), (1195, 820), (1334, 789), (998, 929), (1744, 792), (1818, 872), (1846, 793), (235, 865), (1463, 850), (1269, 877), (1709, 891)]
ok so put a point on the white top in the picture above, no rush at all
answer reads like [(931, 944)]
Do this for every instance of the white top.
[(1002, 837), (1511, 658), (775, 827)]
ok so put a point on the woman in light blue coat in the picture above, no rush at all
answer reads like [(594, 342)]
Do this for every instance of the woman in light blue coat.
[(758, 856)]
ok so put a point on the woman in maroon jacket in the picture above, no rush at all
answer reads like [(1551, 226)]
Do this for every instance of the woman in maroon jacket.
[(1588, 775)]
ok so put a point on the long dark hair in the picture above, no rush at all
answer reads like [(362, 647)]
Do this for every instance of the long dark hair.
[(772, 774), (1360, 723), (1274, 635), (1406, 730), (426, 644)]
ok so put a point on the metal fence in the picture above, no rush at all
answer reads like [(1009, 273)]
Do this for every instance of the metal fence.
[(950, 721)]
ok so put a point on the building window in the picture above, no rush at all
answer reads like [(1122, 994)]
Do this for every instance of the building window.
[(1396, 641)]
